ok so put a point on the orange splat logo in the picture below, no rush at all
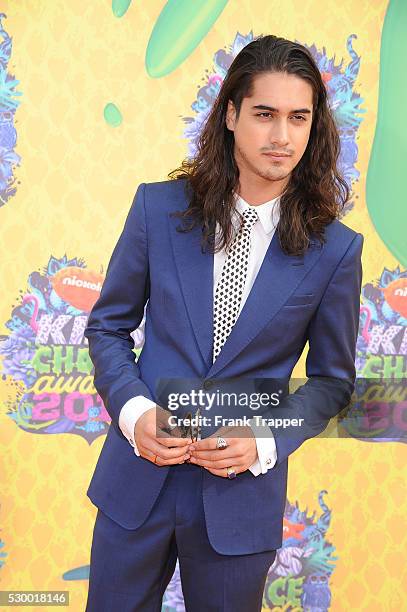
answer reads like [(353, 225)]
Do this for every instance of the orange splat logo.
[(292, 530), (79, 287), (395, 295)]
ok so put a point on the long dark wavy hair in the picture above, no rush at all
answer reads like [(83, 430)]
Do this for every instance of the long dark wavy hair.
[(315, 193)]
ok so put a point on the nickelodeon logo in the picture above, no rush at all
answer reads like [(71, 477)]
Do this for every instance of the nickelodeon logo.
[(394, 294), (78, 286), (78, 282)]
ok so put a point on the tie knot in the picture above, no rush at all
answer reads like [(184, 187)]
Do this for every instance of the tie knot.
[(250, 217)]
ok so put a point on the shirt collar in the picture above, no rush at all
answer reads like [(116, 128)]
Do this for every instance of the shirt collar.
[(269, 212)]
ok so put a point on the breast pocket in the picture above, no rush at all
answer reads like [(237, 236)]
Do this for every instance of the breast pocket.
[(300, 299)]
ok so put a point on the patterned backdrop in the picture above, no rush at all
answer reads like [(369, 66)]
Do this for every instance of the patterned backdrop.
[(98, 96)]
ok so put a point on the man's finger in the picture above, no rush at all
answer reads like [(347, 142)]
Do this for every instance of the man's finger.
[(172, 438), (164, 451), (214, 455), (222, 472), (159, 460), (219, 463), (165, 435), (208, 444)]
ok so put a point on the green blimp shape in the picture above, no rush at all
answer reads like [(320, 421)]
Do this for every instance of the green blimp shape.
[(119, 7), (180, 27), (112, 115), (387, 172)]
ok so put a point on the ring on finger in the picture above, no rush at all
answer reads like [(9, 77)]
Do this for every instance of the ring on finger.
[(221, 443)]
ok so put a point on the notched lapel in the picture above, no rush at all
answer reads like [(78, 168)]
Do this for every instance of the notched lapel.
[(195, 273)]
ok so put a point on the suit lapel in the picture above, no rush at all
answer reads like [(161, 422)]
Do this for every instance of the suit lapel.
[(195, 273), (277, 279)]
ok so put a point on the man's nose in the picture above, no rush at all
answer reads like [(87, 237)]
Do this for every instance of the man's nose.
[(279, 133)]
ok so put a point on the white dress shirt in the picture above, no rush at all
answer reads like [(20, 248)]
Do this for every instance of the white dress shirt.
[(261, 234)]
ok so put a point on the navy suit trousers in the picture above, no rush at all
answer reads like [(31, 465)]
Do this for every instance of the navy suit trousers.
[(130, 569)]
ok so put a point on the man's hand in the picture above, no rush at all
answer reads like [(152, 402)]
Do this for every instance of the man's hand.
[(240, 453), (154, 437)]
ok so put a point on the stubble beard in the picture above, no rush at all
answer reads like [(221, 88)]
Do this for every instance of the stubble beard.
[(271, 174)]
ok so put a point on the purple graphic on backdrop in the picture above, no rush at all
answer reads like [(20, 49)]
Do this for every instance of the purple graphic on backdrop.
[(379, 408), (339, 82), (46, 355), (8, 105), (3, 554), (381, 350)]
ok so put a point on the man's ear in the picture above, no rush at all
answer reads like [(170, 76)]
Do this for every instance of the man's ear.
[(230, 116)]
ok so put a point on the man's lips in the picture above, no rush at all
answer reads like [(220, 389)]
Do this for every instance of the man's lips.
[(277, 154)]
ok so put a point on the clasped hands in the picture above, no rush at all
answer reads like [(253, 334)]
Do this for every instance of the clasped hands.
[(152, 439)]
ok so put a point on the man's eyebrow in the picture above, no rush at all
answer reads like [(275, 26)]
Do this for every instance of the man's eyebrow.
[(275, 110)]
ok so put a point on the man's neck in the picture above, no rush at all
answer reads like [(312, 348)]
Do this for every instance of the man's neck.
[(258, 198), (254, 195)]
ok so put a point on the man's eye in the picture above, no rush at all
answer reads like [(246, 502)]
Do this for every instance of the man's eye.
[(269, 114)]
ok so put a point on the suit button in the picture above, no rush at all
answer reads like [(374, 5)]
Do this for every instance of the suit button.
[(207, 384)]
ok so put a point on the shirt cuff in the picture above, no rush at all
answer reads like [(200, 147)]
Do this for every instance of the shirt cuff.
[(266, 449), (130, 412)]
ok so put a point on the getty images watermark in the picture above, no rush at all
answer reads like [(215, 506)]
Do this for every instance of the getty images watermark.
[(374, 409), (228, 400)]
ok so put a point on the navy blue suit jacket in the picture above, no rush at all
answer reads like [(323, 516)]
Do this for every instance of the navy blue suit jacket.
[(294, 299)]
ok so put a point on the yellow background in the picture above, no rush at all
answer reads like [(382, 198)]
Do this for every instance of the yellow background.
[(78, 177)]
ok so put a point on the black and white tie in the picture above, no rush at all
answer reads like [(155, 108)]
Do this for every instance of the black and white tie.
[(229, 289)]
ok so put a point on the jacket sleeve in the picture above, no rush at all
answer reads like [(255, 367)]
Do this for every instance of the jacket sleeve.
[(330, 362), (118, 311)]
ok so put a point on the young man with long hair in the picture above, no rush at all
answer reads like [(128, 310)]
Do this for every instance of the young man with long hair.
[(238, 260)]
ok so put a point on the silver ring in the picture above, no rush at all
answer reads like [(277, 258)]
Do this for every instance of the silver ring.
[(231, 472), (221, 443)]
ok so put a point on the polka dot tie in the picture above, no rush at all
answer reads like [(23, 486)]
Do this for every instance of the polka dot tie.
[(229, 289)]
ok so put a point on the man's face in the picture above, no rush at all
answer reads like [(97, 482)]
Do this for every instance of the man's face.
[(281, 123)]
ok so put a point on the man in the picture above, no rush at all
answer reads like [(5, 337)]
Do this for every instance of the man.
[(259, 266)]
